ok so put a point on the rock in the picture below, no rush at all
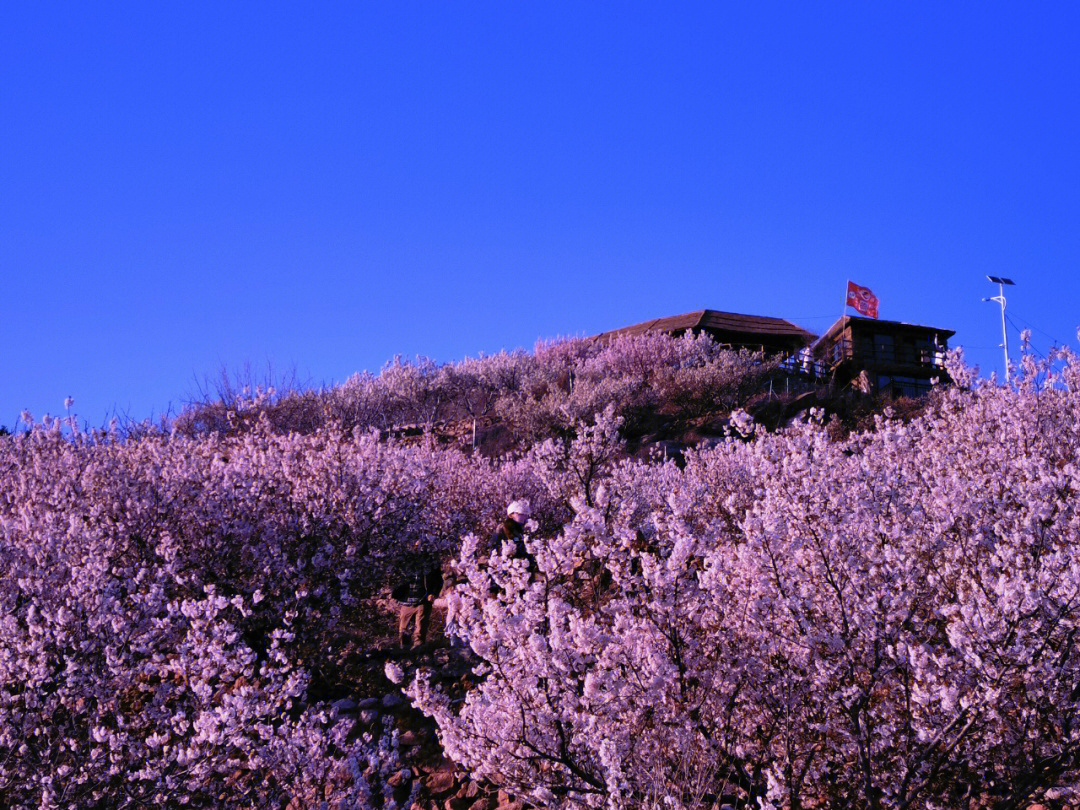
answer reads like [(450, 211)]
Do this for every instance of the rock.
[(368, 703), (442, 763), (344, 706), (505, 801), (400, 777), (393, 671), (483, 803), (441, 781), (455, 803), (410, 737), (470, 790), (392, 700)]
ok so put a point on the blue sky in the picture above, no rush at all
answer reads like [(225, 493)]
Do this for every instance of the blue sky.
[(322, 186)]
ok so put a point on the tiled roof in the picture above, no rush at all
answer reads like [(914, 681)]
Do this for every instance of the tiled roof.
[(720, 321)]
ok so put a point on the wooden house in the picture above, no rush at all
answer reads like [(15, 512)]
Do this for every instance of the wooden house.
[(882, 355)]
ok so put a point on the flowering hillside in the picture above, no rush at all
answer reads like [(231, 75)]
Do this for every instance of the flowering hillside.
[(792, 618), (515, 399)]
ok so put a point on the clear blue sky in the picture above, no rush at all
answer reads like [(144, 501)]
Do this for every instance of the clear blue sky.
[(190, 186)]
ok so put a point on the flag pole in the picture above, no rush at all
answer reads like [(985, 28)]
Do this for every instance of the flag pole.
[(843, 312)]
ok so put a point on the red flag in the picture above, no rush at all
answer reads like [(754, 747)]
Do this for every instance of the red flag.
[(862, 300)]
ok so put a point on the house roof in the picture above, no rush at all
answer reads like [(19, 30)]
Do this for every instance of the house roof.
[(898, 325), (711, 319)]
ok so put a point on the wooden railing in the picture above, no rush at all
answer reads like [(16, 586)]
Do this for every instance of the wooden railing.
[(871, 356), (878, 358)]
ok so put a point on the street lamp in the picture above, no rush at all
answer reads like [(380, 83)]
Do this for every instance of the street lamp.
[(1000, 298)]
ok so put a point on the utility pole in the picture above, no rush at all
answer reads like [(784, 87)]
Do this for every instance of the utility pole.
[(1000, 298)]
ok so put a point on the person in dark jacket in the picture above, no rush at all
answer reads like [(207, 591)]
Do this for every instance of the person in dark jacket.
[(420, 584), (511, 532)]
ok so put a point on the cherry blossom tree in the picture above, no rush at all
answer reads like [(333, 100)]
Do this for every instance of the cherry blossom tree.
[(884, 621), (165, 599)]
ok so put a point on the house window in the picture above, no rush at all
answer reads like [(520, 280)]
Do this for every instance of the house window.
[(836, 352), (883, 348), (923, 352), (902, 386), (909, 354), (907, 387)]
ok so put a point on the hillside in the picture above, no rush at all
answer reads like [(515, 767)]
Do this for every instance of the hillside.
[(668, 392)]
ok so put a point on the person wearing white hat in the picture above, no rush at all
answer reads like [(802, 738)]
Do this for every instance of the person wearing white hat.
[(512, 530), (519, 511)]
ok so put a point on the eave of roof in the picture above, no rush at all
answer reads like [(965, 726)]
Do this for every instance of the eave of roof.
[(841, 323)]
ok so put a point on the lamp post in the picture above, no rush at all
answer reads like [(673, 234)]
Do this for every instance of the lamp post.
[(1000, 298)]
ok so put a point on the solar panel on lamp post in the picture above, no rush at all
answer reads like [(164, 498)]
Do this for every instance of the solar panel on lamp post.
[(1000, 298)]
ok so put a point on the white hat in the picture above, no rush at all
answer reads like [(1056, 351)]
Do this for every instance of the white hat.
[(519, 508)]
